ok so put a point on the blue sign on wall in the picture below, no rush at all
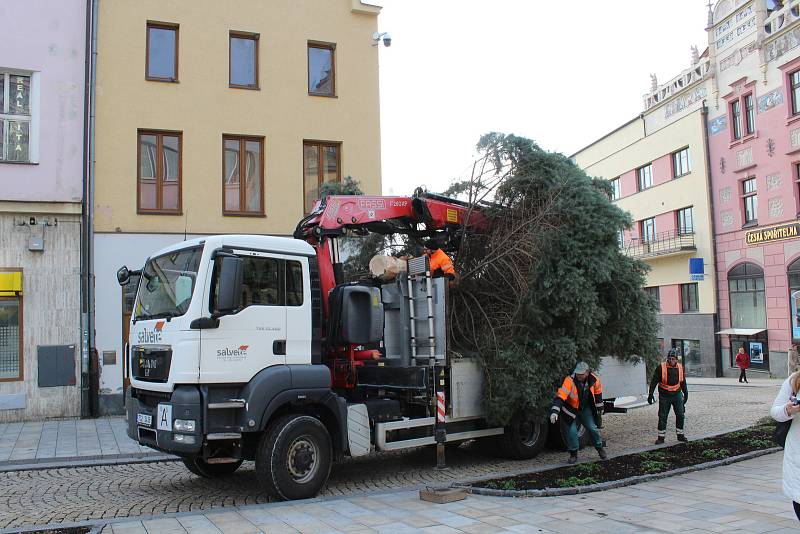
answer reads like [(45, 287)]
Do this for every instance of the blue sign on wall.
[(696, 269)]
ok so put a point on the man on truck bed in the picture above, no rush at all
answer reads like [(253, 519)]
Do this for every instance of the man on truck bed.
[(440, 262), (580, 396), (672, 393)]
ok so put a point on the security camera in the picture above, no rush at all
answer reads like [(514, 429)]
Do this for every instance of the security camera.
[(387, 39)]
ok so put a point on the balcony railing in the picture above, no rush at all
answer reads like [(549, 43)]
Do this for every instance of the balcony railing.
[(661, 244)]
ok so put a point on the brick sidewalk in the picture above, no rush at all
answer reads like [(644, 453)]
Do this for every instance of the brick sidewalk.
[(743, 497), (67, 440)]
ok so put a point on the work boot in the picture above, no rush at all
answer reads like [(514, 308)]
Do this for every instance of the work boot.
[(573, 457), (682, 437), (659, 440), (602, 452)]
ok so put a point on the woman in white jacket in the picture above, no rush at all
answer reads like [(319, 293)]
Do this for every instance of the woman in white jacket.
[(784, 409)]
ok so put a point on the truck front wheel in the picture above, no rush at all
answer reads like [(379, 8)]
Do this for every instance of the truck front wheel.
[(294, 457), (202, 468), (524, 438)]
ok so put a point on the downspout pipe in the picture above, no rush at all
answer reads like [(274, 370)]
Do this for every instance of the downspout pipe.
[(87, 214)]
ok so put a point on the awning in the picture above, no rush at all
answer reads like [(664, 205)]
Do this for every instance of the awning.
[(741, 331), (10, 283)]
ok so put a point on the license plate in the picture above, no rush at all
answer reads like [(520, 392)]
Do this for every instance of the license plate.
[(144, 419), (164, 421)]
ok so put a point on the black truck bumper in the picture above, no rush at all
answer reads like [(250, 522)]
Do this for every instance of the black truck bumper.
[(153, 427)]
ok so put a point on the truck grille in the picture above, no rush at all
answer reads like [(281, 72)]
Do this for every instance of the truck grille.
[(151, 363)]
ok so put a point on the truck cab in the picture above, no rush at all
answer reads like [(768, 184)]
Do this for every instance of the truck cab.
[(221, 340)]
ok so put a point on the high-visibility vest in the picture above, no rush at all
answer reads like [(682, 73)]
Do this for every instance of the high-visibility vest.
[(440, 260), (568, 392), (664, 377)]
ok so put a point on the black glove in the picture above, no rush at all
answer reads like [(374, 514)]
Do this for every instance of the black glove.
[(650, 399), (685, 400)]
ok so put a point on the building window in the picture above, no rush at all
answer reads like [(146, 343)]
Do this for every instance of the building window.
[(680, 163), (15, 117), (750, 114), (654, 293), (243, 68), (794, 80), (794, 299), (645, 175), (686, 221), (736, 119), (11, 348), (689, 298), (243, 178), (747, 299), (162, 52), (689, 354), (647, 229), (750, 200), (321, 164), (616, 191), (321, 69), (621, 238), (159, 172)]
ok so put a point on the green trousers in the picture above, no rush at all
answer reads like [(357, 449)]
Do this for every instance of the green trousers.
[(586, 417), (667, 402)]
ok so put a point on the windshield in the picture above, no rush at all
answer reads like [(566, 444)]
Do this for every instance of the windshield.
[(167, 283)]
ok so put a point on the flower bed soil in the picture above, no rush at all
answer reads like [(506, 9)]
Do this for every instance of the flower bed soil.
[(755, 438)]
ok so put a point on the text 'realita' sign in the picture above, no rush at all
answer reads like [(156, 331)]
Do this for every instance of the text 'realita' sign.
[(776, 233)]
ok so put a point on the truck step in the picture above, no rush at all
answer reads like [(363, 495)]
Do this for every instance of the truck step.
[(223, 435), (233, 403), (222, 460)]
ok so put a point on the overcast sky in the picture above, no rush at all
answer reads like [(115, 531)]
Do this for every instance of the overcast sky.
[(563, 73)]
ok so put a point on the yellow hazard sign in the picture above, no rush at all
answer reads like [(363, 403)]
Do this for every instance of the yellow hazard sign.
[(452, 215)]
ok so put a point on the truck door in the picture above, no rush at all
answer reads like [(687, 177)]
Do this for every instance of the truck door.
[(254, 337)]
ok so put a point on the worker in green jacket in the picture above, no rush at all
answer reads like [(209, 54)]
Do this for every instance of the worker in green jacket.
[(672, 395)]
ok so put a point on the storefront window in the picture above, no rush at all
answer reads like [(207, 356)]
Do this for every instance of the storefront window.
[(794, 298), (748, 303), (689, 354)]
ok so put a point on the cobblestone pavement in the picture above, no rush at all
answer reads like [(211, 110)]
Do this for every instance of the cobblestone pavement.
[(739, 498), (75, 494)]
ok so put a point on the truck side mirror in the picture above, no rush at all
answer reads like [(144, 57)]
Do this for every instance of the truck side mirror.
[(123, 276), (229, 285)]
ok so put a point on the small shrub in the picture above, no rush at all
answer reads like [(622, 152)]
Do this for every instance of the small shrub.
[(653, 455), (715, 454), (571, 482), (509, 484), (654, 466), (758, 443), (586, 469)]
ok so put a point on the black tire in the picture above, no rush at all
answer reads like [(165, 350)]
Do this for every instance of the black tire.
[(558, 436), (202, 468), (524, 438), (294, 457)]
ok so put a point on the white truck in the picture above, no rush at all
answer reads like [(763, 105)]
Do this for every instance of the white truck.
[(247, 347)]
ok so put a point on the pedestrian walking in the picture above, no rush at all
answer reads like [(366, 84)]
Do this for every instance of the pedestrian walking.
[(785, 408), (672, 395), (742, 362), (579, 397)]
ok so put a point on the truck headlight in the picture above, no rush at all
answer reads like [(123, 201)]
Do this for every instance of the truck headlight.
[(184, 425)]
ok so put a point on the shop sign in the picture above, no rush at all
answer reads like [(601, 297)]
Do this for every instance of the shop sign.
[(776, 233)]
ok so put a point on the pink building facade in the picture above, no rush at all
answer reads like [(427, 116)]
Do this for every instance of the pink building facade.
[(754, 155), (42, 87)]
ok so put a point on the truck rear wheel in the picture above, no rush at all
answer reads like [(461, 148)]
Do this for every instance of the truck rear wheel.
[(294, 457), (524, 438), (202, 468)]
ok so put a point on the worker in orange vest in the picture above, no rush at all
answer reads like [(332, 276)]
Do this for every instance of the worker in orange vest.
[(579, 397), (440, 262), (672, 395)]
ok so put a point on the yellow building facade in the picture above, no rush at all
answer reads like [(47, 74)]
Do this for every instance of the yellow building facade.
[(213, 119), (658, 166)]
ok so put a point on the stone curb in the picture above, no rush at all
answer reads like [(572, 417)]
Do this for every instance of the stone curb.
[(556, 492), (35, 464)]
